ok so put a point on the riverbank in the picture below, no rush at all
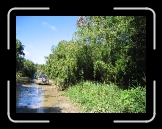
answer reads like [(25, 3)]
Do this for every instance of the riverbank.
[(23, 80), (107, 98), (33, 98)]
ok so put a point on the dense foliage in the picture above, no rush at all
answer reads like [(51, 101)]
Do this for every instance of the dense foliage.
[(29, 68), (24, 67), (103, 66), (19, 55), (105, 49), (40, 69), (98, 98)]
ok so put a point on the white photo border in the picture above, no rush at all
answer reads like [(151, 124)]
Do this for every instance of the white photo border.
[(47, 8), (154, 19), (154, 48), (8, 48)]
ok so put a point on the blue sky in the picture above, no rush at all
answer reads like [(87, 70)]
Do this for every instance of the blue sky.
[(39, 33)]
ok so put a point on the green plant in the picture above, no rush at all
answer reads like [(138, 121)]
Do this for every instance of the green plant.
[(95, 97), (106, 50), (24, 67), (134, 100)]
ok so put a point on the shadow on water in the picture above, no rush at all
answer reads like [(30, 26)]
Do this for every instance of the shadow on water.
[(30, 99), (38, 110)]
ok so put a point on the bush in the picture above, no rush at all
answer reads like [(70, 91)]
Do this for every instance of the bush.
[(95, 97), (104, 98), (133, 100)]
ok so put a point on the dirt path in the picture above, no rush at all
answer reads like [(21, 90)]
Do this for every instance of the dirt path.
[(50, 100), (58, 100)]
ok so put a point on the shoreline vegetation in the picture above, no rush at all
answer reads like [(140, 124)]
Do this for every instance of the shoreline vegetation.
[(101, 98), (107, 98), (102, 68), (23, 80)]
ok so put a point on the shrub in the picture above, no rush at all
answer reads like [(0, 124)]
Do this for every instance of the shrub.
[(104, 98), (133, 100)]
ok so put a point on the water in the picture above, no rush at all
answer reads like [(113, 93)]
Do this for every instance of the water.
[(33, 98)]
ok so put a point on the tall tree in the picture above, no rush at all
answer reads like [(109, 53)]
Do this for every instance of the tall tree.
[(19, 55), (103, 48)]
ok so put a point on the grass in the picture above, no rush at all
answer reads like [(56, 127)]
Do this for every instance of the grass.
[(22, 80), (103, 98)]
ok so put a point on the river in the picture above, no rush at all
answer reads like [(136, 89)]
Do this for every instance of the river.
[(33, 98)]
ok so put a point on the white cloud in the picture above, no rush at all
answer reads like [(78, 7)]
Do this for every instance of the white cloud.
[(38, 59), (50, 26), (44, 23), (34, 56), (53, 28)]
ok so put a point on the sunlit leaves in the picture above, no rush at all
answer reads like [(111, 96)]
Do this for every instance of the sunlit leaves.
[(19, 55), (103, 48)]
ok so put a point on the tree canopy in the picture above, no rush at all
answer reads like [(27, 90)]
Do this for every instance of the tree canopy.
[(25, 67), (105, 49)]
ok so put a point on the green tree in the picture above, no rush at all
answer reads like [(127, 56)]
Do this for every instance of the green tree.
[(117, 44), (25, 67), (19, 55), (29, 68), (103, 48)]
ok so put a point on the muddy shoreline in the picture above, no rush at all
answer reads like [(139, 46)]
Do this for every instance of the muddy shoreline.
[(33, 98)]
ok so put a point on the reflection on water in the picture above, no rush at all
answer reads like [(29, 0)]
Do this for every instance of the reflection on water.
[(33, 98), (30, 98)]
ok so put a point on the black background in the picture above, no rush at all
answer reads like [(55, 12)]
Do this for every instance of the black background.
[(78, 117)]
